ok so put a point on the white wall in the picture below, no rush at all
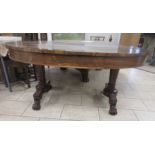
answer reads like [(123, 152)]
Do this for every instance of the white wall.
[(115, 37), (49, 36)]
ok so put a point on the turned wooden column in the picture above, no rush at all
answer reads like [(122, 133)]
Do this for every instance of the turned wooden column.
[(111, 92), (41, 87), (84, 75)]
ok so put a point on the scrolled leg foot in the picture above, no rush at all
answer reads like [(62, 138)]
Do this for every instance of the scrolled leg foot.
[(37, 97), (111, 92), (41, 88), (36, 105), (113, 110), (112, 102)]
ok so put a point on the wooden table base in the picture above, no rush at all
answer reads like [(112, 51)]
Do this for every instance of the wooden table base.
[(41, 87), (111, 92), (84, 75)]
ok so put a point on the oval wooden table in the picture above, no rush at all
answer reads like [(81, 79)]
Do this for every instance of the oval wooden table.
[(76, 54)]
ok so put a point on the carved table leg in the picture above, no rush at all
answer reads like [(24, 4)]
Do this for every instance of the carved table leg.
[(84, 75), (27, 74), (41, 87), (63, 69), (111, 92)]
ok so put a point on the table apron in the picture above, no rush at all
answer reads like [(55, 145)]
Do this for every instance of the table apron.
[(77, 61)]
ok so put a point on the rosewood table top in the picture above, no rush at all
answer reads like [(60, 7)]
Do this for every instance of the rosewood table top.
[(5, 39), (76, 54)]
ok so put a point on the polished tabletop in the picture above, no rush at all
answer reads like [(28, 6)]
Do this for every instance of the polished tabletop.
[(95, 48), (5, 39)]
